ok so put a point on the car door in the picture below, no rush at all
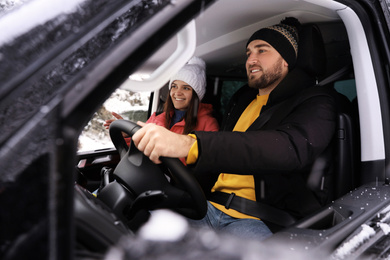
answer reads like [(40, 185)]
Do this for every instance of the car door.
[(339, 230), (55, 71)]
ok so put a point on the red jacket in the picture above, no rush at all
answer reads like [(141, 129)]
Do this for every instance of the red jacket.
[(206, 122)]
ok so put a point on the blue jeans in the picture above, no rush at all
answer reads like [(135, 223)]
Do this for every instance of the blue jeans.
[(243, 228)]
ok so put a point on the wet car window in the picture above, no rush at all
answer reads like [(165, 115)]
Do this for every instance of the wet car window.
[(50, 55)]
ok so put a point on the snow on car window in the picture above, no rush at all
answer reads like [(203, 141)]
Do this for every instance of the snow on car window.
[(130, 105), (7, 5), (50, 58), (35, 12)]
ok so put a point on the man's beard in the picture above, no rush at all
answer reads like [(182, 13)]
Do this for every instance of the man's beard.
[(267, 78)]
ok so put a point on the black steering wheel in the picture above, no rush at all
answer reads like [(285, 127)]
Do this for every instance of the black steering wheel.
[(138, 174)]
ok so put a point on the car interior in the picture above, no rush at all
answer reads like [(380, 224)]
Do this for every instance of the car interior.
[(333, 51), (324, 53), (113, 192)]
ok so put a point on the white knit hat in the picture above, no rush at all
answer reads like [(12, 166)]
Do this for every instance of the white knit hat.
[(194, 74)]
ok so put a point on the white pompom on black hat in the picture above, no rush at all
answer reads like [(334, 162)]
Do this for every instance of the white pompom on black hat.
[(194, 74)]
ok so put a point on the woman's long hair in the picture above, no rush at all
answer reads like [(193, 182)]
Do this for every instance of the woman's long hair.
[(190, 117)]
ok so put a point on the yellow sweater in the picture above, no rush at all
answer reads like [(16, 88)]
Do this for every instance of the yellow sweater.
[(241, 185)]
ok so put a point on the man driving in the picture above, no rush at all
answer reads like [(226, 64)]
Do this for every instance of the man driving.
[(274, 129)]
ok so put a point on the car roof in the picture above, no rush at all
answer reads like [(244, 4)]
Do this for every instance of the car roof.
[(222, 44)]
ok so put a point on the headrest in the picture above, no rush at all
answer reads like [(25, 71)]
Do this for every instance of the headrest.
[(311, 52)]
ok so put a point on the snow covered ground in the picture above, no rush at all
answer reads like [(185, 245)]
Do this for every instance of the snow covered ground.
[(122, 102)]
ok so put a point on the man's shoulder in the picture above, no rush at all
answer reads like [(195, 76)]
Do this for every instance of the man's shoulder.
[(315, 94), (318, 90)]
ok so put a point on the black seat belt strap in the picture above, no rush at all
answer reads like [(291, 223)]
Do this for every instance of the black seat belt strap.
[(252, 208), (335, 76)]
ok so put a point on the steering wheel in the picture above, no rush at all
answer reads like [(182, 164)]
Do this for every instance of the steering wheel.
[(138, 174)]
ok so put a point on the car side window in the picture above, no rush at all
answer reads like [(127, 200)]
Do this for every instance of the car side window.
[(130, 105), (229, 87), (347, 88)]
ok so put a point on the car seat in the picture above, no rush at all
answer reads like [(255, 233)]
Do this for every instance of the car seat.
[(332, 173)]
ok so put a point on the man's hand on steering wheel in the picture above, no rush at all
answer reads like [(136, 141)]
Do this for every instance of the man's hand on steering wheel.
[(140, 175), (155, 141)]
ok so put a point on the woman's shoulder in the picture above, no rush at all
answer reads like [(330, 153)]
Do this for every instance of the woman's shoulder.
[(205, 108), (206, 120)]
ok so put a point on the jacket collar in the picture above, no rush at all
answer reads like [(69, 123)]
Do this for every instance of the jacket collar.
[(295, 81), (292, 84)]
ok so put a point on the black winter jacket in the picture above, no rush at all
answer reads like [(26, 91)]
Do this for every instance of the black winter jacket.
[(278, 149)]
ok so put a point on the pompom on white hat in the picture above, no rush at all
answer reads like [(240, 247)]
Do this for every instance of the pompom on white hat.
[(194, 74)]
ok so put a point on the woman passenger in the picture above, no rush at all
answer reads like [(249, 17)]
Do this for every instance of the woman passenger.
[(183, 110)]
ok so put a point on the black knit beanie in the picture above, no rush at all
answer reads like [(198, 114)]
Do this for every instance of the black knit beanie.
[(283, 37)]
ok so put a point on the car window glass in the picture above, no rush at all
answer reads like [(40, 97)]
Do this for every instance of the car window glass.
[(347, 88), (229, 87), (49, 58), (130, 105)]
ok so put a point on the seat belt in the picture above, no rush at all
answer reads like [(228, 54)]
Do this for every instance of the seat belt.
[(335, 76), (259, 209), (252, 208)]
